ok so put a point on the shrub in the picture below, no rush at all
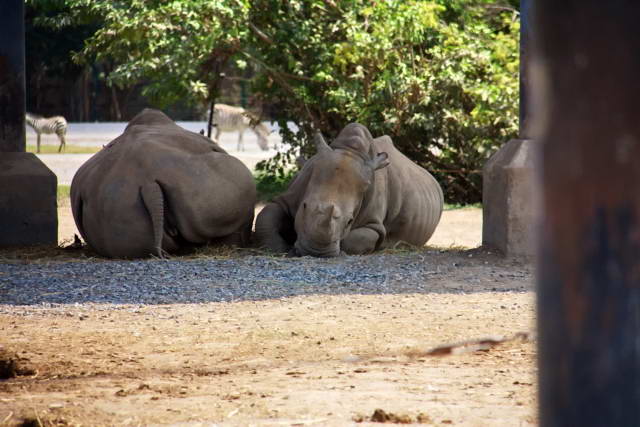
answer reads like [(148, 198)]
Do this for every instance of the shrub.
[(440, 80), (438, 76)]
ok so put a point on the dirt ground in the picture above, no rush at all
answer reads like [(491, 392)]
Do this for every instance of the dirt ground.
[(308, 360), (457, 228)]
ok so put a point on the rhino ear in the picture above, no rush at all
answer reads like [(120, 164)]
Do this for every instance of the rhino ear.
[(300, 161), (381, 160), (321, 145)]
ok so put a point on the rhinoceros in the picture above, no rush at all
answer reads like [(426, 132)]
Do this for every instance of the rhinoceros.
[(159, 188), (356, 196)]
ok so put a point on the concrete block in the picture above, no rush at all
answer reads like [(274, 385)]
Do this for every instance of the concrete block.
[(28, 203), (509, 200)]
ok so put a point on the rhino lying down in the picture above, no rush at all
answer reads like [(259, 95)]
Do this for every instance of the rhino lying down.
[(358, 195), (159, 188)]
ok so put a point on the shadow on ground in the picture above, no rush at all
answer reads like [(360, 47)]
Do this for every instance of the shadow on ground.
[(63, 276)]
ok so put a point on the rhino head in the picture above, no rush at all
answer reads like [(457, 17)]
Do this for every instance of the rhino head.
[(339, 181)]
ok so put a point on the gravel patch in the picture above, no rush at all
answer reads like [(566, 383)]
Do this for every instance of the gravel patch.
[(257, 278)]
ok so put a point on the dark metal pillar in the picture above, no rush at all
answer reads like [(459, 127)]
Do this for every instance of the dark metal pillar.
[(12, 75), (28, 206), (588, 52), (210, 123), (525, 41)]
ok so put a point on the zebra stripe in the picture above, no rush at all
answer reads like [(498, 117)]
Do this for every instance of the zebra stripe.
[(48, 125), (236, 119)]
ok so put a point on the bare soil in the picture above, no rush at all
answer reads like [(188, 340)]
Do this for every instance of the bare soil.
[(458, 228), (309, 360)]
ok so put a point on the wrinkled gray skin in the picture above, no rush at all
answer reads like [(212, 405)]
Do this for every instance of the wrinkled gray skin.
[(356, 196), (159, 188)]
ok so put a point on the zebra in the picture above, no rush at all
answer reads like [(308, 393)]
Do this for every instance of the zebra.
[(48, 125), (236, 119)]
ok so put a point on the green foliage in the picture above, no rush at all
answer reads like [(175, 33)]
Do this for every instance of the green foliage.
[(270, 185), (69, 149), (438, 76), (64, 193), (42, 20), (179, 46), (456, 206)]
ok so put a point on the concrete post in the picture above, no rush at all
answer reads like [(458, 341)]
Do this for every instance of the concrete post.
[(28, 206), (589, 256), (508, 199), (508, 192)]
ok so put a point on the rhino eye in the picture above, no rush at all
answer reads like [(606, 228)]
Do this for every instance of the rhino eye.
[(350, 221), (304, 205)]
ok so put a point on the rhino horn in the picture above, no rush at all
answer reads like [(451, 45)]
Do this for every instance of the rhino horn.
[(321, 145)]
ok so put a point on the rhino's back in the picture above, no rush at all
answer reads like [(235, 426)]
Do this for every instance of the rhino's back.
[(201, 185), (414, 199)]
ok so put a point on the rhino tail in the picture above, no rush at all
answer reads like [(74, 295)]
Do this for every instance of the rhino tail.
[(153, 199)]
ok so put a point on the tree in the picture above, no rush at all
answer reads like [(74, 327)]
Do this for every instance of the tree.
[(44, 58), (438, 76), (179, 47)]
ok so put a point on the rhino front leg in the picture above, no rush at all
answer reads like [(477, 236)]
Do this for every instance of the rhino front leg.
[(361, 240), (275, 229)]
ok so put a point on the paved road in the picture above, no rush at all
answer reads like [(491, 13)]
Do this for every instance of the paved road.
[(99, 134)]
